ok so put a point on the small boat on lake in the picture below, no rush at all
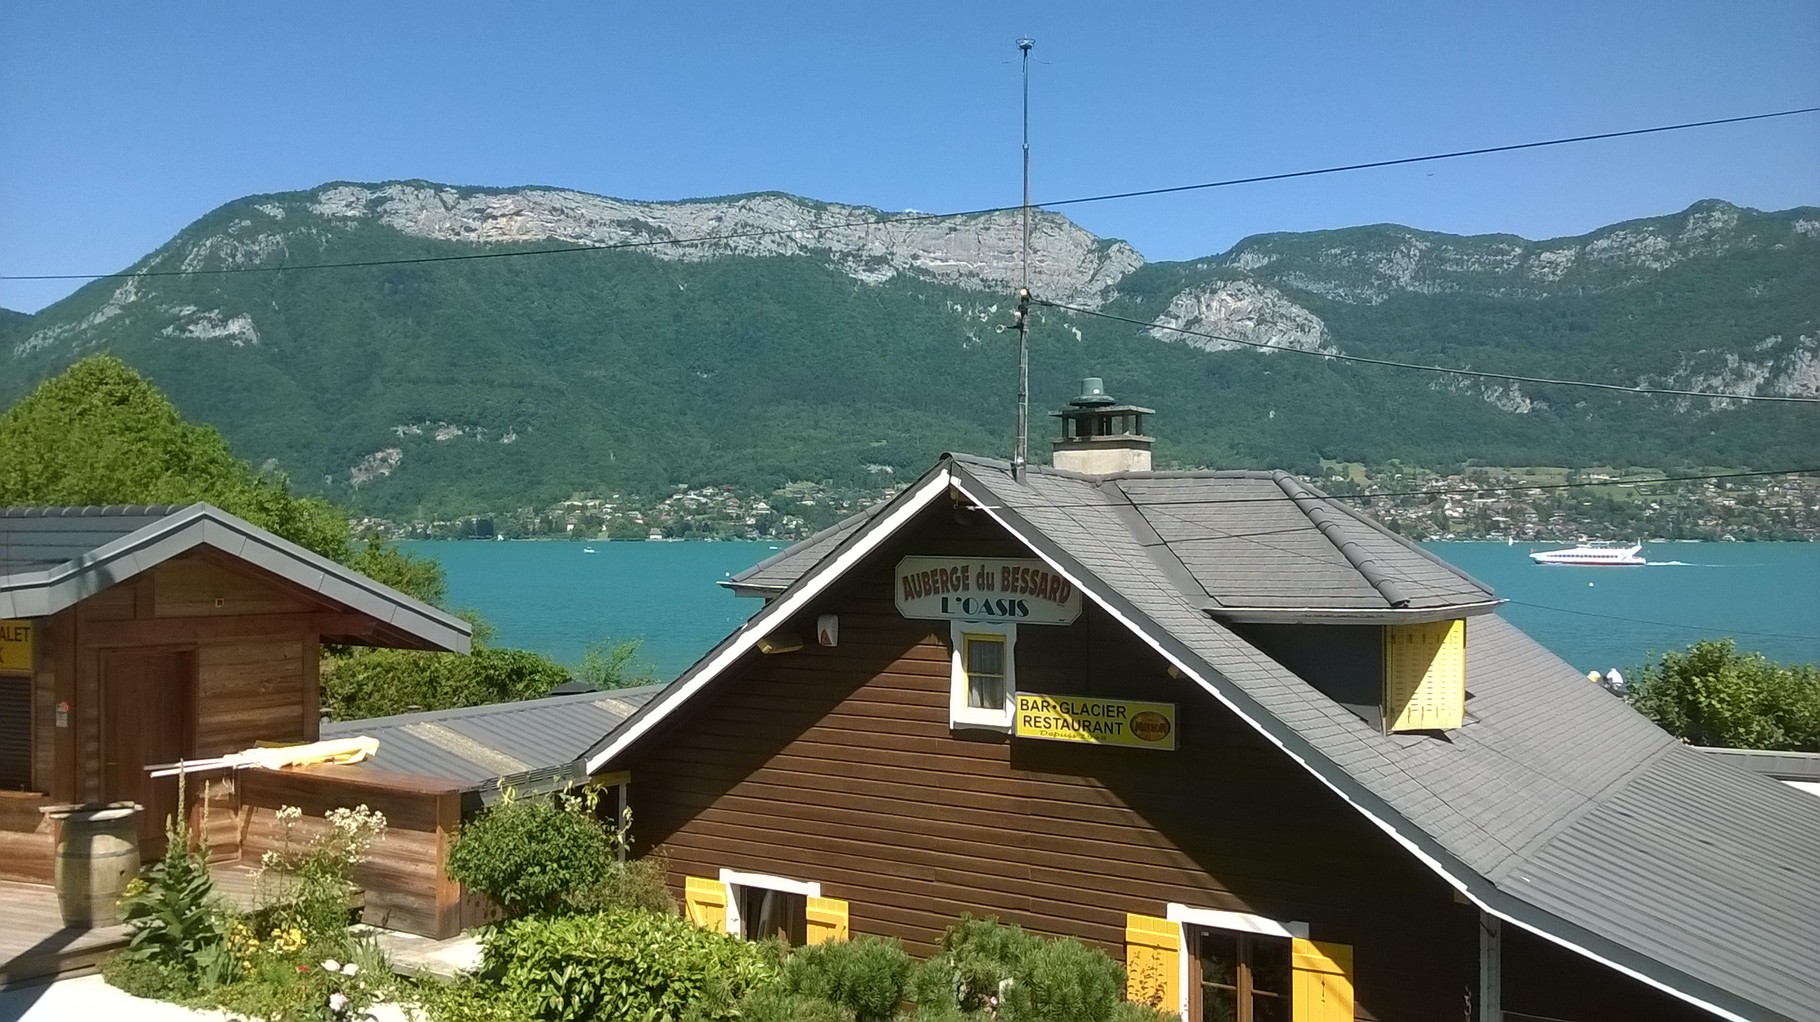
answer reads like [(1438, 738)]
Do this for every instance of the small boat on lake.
[(587, 549), (1595, 554)]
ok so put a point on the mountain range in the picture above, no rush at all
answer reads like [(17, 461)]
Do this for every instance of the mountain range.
[(592, 347)]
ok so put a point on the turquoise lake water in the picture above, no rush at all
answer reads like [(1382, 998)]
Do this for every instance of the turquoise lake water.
[(557, 600)]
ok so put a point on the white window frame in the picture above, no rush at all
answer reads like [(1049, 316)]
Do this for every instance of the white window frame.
[(734, 879), (961, 715), (1185, 916)]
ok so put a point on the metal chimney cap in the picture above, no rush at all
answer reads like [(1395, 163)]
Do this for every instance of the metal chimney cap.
[(1093, 392)]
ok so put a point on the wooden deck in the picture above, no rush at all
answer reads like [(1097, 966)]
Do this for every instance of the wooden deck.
[(35, 946), (34, 943)]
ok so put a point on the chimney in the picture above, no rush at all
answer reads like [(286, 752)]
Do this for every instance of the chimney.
[(1100, 436)]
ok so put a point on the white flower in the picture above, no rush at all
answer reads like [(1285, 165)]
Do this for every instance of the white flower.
[(350, 969), (338, 1002), (331, 965)]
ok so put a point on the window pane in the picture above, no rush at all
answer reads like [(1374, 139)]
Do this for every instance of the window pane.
[(985, 664), (1269, 1009), (16, 734), (1219, 954), (1270, 965), (1219, 1004), (765, 914)]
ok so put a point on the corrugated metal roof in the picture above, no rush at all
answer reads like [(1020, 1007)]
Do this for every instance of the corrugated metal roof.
[(1783, 766), (484, 747), (1556, 806)]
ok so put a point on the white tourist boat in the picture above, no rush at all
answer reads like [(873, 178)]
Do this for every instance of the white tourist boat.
[(1594, 554)]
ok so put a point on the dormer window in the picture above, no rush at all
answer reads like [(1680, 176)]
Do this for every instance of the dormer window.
[(1425, 676)]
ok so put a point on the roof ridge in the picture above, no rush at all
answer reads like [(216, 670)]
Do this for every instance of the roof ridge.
[(92, 510), (492, 709), (1312, 504)]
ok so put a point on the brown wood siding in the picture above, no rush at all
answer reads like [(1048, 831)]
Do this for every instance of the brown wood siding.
[(197, 586), (838, 766), (251, 690), (406, 888)]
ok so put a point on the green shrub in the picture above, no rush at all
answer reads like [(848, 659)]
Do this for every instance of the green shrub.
[(470, 1000), (773, 1004), (1127, 1011), (534, 855), (869, 975), (1004, 972), (178, 925), (1063, 981), (304, 882), (143, 977), (977, 958), (636, 883), (624, 965)]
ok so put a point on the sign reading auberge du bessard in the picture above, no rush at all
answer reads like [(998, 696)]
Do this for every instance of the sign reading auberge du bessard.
[(1012, 589)]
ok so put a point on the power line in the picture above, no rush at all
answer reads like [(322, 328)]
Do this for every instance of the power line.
[(925, 217), (1393, 364), (1664, 624), (1404, 161), (1461, 490)]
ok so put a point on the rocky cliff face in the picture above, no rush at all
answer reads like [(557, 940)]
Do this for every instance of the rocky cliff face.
[(807, 319), (979, 252)]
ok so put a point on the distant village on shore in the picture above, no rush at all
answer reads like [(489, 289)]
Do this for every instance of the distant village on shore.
[(1470, 504)]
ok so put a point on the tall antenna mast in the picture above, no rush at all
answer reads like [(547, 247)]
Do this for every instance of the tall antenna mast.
[(1021, 458)]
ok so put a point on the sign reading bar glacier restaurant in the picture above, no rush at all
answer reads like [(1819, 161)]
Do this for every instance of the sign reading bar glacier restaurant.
[(1097, 721), (1010, 589)]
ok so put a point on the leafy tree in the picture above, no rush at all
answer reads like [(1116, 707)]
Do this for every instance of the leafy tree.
[(362, 683), (1712, 694), (100, 433), (611, 664)]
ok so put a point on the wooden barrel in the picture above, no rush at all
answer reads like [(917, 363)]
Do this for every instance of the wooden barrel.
[(97, 854)]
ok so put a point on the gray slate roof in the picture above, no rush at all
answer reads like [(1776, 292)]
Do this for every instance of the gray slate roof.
[(52, 558), (1555, 807), (1248, 546), (42, 537), (775, 573), (530, 745)]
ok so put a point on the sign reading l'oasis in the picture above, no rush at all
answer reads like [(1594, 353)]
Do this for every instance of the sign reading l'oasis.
[(1011, 589)]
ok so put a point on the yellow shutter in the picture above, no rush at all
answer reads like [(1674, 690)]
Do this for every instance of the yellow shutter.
[(1153, 962), (1425, 676), (705, 903), (827, 920), (1323, 981)]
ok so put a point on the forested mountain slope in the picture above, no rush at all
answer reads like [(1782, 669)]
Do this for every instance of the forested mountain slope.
[(845, 354)]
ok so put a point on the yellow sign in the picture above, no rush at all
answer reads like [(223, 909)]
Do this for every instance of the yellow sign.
[(1096, 721), (15, 645)]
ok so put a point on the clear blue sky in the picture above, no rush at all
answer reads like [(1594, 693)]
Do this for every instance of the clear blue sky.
[(122, 122)]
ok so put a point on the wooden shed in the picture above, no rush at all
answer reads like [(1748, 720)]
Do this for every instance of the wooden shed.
[(1278, 761), (132, 636)]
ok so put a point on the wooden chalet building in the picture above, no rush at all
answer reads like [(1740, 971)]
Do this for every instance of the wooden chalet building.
[(1280, 762), (132, 636)]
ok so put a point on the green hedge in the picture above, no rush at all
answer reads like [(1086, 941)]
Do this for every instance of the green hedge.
[(625, 965)]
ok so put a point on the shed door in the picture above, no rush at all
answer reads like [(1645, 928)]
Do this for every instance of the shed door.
[(147, 716)]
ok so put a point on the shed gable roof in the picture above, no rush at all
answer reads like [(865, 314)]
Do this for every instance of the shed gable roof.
[(53, 558)]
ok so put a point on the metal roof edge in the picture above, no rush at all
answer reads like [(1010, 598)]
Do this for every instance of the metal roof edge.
[(857, 519), (1364, 616), (849, 552), (492, 709), (1445, 864)]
